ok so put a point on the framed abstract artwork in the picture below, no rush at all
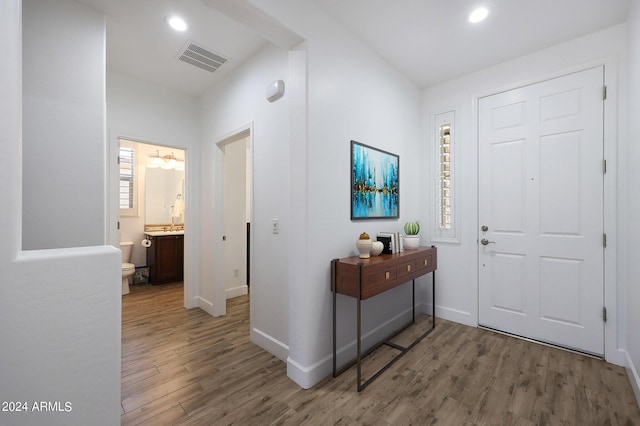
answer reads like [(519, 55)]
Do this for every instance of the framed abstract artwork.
[(375, 183)]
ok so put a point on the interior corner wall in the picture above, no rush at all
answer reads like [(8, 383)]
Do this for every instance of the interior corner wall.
[(353, 94), (632, 199), (458, 287), (231, 104), (62, 164), (60, 308)]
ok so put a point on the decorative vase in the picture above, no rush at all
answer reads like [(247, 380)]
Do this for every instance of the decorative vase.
[(376, 248), (363, 245), (411, 241)]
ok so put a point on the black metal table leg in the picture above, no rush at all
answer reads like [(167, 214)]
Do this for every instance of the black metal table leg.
[(413, 301), (335, 295), (359, 309), (433, 299)]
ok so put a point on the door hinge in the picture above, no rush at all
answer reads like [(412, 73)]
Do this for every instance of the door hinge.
[(604, 166), (604, 92), (118, 160), (604, 313), (604, 240), (118, 225)]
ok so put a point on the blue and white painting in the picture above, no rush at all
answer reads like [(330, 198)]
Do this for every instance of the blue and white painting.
[(375, 183)]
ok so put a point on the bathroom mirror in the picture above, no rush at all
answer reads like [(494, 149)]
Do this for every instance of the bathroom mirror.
[(164, 196)]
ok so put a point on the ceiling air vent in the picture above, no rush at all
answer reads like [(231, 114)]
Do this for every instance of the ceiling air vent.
[(201, 57)]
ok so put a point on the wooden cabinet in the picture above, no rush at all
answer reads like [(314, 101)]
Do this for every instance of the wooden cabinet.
[(365, 278), (165, 259), (384, 272)]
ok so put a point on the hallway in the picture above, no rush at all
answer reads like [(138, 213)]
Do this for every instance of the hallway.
[(185, 367)]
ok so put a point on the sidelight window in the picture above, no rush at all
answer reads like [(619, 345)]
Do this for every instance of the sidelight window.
[(445, 217)]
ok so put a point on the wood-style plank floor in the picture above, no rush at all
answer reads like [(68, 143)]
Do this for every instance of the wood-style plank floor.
[(186, 367)]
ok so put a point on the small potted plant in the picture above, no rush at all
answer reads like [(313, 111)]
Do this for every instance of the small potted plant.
[(412, 235)]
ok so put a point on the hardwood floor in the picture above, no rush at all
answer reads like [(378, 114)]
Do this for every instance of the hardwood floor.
[(186, 367)]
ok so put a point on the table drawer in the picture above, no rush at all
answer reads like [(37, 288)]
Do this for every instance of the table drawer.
[(426, 262), (406, 268), (379, 274)]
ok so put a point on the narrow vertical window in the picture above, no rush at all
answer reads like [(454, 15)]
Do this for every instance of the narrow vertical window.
[(445, 214), (128, 172), (444, 181)]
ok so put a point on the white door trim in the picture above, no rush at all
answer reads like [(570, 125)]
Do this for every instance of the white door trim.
[(614, 341), (219, 302)]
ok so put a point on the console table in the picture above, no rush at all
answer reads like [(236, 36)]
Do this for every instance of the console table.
[(365, 278)]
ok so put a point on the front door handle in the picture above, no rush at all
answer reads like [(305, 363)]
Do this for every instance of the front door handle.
[(485, 242)]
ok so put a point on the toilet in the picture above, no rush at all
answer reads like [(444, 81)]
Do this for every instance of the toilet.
[(128, 269)]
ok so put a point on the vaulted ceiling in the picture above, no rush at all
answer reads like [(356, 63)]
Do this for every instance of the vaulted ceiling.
[(429, 41)]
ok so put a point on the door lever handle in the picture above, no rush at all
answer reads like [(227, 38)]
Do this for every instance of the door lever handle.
[(485, 242)]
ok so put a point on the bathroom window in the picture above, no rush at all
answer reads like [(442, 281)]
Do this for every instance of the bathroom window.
[(127, 162), (445, 217)]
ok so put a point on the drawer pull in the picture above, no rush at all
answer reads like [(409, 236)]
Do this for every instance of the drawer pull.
[(387, 275), (408, 268), (425, 262)]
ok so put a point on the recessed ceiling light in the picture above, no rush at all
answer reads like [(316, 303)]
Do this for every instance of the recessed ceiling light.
[(177, 23), (478, 15)]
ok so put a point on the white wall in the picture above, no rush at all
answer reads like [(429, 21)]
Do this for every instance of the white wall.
[(234, 103), (145, 112), (59, 309), (632, 197), (352, 94), (62, 163), (457, 286)]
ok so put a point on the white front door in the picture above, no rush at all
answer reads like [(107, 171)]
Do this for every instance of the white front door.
[(540, 246)]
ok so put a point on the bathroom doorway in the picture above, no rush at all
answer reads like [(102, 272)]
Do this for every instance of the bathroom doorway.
[(152, 200)]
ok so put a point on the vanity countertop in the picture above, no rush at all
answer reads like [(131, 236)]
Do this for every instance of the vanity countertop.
[(163, 233)]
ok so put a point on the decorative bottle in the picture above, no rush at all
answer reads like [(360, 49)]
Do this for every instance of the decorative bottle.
[(364, 246)]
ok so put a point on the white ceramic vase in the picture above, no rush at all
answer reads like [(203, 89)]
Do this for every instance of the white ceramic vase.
[(376, 248), (411, 241), (364, 248)]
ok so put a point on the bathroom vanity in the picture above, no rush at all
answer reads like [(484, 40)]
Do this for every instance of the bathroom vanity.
[(165, 257)]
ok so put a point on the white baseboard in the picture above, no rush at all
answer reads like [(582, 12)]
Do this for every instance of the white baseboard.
[(634, 378), (270, 344), (237, 291), (205, 305), (449, 314), (306, 377), (618, 357), (193, 302)]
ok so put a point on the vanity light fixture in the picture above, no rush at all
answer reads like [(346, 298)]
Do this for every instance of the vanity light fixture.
[(177, 23), (478, 15), (168, 161)]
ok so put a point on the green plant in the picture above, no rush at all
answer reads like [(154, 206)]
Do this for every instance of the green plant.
[(412, 228)]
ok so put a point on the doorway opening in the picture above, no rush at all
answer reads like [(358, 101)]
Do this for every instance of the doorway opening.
[(152, 200), (236, 212)]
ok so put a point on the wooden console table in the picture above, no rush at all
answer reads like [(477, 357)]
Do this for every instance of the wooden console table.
[(365, 278)]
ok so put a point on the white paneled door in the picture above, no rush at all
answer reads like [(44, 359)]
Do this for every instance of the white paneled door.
[(540, 242)]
